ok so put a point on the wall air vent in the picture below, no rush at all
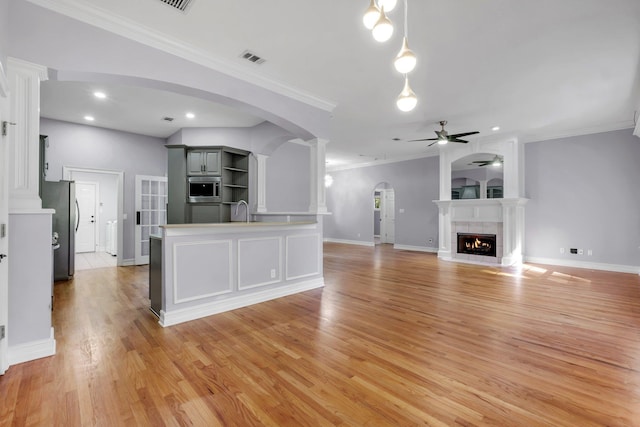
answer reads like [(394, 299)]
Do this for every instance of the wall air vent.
[(167, 119), (252, 57), (181, 5)]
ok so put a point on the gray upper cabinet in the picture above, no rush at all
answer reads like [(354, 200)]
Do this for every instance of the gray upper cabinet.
[(203, 162)]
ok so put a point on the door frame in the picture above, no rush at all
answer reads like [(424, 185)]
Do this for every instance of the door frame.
[(67, 171), (4, 218), (96, 217), (384, 222)]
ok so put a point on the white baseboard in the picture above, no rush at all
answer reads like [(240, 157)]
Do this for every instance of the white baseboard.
[(583, 264), (32, 350), (349, 242), (203, 310), (128, 262), (416, 248)]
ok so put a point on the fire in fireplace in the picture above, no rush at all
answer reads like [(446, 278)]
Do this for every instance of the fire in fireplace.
[(477, 244)]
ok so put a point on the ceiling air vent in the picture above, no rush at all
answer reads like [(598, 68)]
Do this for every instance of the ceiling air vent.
[(252, 57), (181, 5)]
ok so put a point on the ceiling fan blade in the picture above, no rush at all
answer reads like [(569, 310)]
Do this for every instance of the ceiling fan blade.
[(426, 139), (434, 142), (463, 134), (457, 140)]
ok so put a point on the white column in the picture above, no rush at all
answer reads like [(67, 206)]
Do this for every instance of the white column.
[(24, 136), (317, 158), (483, 189), (262, 183)]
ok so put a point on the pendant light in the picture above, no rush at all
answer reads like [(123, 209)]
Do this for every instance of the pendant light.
[(389, 5), (371, 15), (407, 100), (383, 30), (406, 60)]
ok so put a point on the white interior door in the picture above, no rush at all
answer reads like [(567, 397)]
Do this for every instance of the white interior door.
[(151, 212), (87, 220), (388, 216), (4, 220)]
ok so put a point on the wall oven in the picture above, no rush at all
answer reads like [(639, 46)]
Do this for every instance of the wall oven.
[(204, 189)]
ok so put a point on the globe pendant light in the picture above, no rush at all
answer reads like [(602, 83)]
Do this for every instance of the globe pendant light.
[(406, 60), (389, 5), (371, 15), (407, 100), (383, 30)]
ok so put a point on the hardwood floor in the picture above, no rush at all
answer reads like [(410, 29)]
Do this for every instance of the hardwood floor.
[(395, 338)]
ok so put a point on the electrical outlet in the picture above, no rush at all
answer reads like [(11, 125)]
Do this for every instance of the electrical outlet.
[(561, 250), (273, 273), (589, 252), (580, 251)]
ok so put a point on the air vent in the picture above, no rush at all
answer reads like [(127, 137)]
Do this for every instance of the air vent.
[(167, 119), (251, 57), (181, 5)]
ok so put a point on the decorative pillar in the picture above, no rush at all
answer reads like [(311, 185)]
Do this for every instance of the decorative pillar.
[(317, 156), (483, 189), (24, 82), (262, 183)]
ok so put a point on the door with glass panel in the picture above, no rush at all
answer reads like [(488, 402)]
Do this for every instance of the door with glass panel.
[(151, 208)]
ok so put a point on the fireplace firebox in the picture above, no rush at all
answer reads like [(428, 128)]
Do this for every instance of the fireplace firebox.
[(477, 244)]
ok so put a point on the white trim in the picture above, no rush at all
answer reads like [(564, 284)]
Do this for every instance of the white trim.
[(280, 261), (618, 268), (286, 256), (32, 350), (416, 248), (349, 242), (45, 211), (127, 262), (93, 15), (174, 262), (196, 312), (547, 136)]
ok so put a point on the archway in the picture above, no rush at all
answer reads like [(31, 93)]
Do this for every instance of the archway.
[(384, 214)]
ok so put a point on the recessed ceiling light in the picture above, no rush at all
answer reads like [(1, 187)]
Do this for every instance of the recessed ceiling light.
[(100, 95), (89, 118), (495, 128), (190, 115)]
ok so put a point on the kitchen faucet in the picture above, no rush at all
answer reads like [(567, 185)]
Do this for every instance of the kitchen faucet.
[(246, 208)]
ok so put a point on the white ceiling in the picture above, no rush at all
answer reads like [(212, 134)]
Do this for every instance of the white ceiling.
[(538, 69)]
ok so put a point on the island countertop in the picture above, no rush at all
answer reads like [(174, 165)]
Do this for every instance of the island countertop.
[(231, 227)]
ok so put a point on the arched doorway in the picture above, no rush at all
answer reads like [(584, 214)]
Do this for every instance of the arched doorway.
[(384, 217)]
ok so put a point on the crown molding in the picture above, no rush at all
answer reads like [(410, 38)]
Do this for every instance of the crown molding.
[(546, 136), (121, 26)]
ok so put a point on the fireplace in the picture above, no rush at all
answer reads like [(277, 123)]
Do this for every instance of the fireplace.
[(477, 244)]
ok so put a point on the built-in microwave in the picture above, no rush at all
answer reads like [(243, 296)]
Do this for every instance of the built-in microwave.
[(204, 189)]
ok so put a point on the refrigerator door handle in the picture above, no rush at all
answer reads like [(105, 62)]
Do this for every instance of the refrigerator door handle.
[(78, 215)]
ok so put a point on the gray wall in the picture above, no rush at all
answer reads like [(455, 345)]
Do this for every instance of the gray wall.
[(583, 194), (288, 181), (415, 182), (96, 148)]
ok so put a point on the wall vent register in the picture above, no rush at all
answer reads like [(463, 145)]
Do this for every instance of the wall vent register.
[(181, 5)]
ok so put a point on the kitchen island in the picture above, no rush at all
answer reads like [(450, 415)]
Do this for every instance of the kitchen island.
[(198, 270)]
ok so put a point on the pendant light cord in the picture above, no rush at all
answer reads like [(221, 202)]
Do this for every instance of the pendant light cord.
[(406, 26)]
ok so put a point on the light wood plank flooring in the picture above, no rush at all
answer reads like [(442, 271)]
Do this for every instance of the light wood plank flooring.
[(395, 338)]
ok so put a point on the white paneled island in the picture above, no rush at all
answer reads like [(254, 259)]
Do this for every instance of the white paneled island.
[(198, 270)]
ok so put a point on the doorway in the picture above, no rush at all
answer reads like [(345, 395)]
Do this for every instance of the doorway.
[(384, 214), (105, 249), (4, 220)]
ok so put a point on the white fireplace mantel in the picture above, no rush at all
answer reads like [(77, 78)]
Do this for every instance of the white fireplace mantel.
[(507, 213)]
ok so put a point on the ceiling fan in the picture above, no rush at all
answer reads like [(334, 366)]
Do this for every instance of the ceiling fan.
[(444, 137), (496, 161)]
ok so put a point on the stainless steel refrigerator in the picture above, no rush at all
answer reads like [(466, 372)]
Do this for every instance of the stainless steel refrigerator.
[(61, 196)]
